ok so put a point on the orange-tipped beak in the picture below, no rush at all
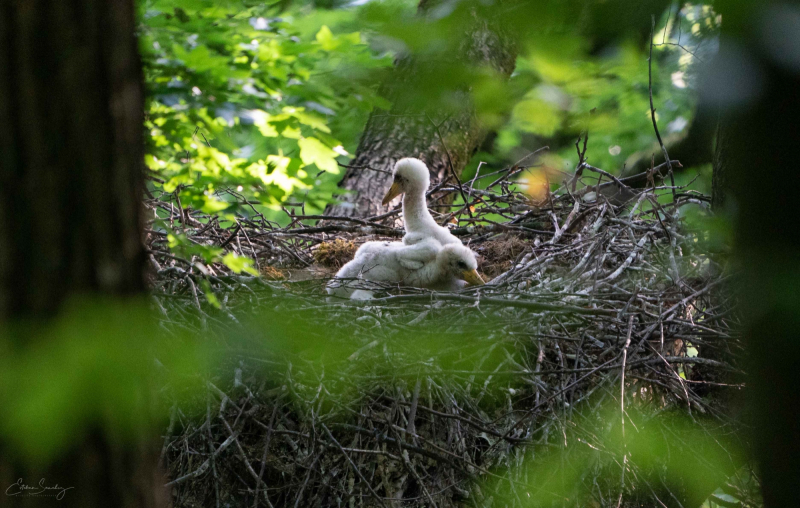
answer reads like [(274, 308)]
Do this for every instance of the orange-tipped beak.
[(394, 191), (472, 277)]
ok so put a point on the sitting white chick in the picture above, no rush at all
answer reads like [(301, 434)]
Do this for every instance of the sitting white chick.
[(424, 265)]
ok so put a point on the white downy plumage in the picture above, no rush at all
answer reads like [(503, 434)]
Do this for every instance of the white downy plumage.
[(425, 264), (411, 179)]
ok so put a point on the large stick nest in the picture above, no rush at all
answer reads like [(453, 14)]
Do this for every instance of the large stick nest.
[(596, 306)]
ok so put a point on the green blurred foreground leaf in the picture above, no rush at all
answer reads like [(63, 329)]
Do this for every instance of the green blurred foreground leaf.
[(658, 453), (103, 364), (99, 364)]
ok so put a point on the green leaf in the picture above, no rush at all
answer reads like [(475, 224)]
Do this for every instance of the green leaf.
[(213, 205), (239, 264), (200, 58), (185, 248), (313, 151), (209, 293), (261, 120), (326, 39), (537, 116)]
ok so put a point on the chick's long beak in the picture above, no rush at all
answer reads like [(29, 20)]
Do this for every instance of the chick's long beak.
[(472, 277), (394, 191)]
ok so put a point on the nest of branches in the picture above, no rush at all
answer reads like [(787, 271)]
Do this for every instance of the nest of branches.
[(603, 320)]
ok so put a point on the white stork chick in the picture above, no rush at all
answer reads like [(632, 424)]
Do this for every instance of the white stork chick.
[(455, 266), (411, 178), (382, 263), (425, 265)]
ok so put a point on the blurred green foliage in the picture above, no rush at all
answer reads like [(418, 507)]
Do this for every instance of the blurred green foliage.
[(112, 367), (642, 455), (98, 366), (567, 86)]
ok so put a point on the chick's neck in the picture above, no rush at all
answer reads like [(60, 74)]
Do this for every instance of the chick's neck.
[(415, 212)]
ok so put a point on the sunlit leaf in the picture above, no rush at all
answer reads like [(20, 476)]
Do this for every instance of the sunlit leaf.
[(313, 151), (239, 264)]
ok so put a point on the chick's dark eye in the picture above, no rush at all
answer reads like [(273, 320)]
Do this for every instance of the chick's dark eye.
[(461, 264)]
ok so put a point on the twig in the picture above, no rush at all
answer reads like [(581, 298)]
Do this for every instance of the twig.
[(264, 456), (536, 306), (622, 406), (653, 110), (353, 465), (450, 162)]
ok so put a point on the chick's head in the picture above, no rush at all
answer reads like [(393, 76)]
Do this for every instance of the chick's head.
[(459, 262), (409, 175)]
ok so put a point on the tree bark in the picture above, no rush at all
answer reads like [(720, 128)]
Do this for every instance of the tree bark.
[(444, 140), (71, 176), (71, 153), (719, 176), (756, 171)]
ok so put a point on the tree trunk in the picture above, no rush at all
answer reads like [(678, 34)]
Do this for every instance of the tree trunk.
[(756, 169), (71, 175), (445, 141), (71, 153), (719, 176)]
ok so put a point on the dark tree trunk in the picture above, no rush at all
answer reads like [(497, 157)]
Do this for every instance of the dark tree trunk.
[(71, 160), (439, 138), (71, 152), (719, 177), (756, 171)]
